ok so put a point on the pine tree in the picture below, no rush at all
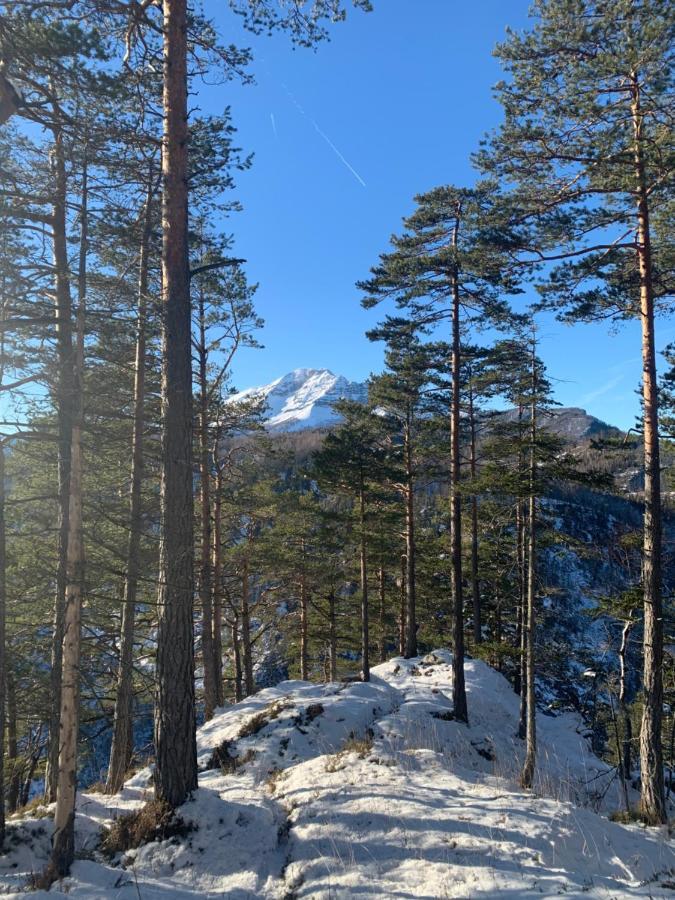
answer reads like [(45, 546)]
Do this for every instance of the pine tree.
[(349, 460), (586, 142), (449, 264)]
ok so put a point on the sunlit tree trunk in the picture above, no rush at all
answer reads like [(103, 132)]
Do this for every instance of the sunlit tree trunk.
[(653, 800), (122, 740), (64, 396), (175, 727), (63, 841)]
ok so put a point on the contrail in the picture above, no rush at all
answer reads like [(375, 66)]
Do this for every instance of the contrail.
[(323, 134), (274, 126), (338, 154)]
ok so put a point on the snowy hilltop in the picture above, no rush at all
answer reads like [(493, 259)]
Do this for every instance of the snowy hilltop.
[(371, 790), (304, 398)]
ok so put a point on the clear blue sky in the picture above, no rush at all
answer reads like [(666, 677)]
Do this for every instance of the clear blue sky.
[(343, 139)]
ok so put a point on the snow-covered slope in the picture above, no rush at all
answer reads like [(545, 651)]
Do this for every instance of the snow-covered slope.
[(304, 398), (371, 790)]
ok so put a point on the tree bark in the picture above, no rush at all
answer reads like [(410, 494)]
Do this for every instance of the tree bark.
[(653, 801), (64, 410), (624, 709), (410, 553), (332, 637), (401, 616), (236, 651), (475, 585), (3, 659), (217, 582), (210, 681), (121, 749), (63, 841), (15, 768), (527, 775), (304, 625), (383, 614), (175, 739), (247, 653), (365, 638), (458, 685)]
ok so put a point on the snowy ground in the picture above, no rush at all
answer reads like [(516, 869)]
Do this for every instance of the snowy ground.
[(418, 806)]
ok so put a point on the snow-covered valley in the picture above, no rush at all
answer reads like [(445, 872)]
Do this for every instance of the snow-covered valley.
[(371, 790)]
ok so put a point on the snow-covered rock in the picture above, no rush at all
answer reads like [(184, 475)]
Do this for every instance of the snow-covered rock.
[(372, 790), (303, 398)]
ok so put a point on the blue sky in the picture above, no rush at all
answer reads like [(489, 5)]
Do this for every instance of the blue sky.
[(343, 139)]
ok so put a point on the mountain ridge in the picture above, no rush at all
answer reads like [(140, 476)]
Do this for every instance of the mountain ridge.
[(303, 399)]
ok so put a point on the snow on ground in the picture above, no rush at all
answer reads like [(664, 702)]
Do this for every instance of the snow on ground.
[(371, 790)]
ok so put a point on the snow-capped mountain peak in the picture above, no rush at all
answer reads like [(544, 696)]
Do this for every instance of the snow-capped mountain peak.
[(304, 398)]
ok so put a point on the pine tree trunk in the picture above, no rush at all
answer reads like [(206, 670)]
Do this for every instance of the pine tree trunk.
[(522, 707), (527, 775), (653, 801), (519, 681), (624, 709), (246, 650), (365, 638), (332, 637), (458, 685), (64, 408), (410, 552), (121, 749), (401, 615), (175, 739), (383, 622), (217, 584), (14, 787), (236, 651), (63, 841), (304, 625), (205, 597), (3, 658), (475, 585)]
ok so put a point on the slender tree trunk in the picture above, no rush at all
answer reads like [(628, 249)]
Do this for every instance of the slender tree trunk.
[(247, 656), (521, 520), (175, 739), (383, 614), (332, 637), (410, 551), (519, 680), (653, 799), (624, 708), (365, 638), (401, 616), (236, 651), (63, 841), (458, 685), (64, 408), (122, 746), (522, 709), (498, 634), (304, 625), (205, 597), (475, 584), (217, 583), (4, 674), (15, 767), (527, 775)]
